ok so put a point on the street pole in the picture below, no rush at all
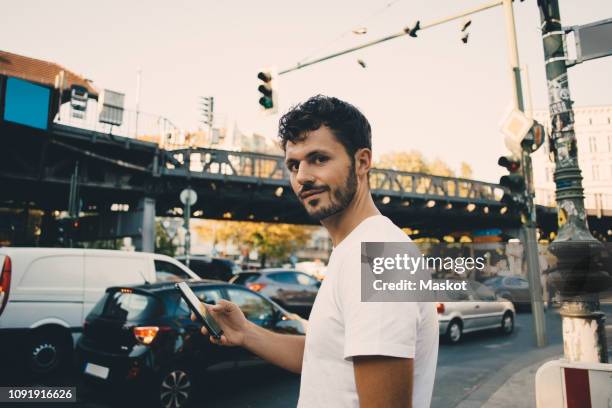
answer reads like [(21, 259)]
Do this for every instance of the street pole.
[(528, 232), (187, 217), (579, 273), (138, 79)]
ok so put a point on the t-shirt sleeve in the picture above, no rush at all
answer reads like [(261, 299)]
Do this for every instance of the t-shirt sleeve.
[(374, 328)]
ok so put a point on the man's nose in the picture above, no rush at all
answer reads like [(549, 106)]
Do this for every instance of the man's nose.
[(304, 174)]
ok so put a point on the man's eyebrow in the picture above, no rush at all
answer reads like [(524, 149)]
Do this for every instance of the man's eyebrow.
[(308, 156)]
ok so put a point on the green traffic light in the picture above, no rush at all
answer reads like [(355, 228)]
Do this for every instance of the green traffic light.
[(267, 103)]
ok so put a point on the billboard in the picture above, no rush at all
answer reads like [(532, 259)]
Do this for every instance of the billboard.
[(27, 103)]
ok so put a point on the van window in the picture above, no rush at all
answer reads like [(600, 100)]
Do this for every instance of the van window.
[(165, 271), (105, 271), (64, 271)]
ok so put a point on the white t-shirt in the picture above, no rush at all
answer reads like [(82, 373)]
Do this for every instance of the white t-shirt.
[(341, 327)]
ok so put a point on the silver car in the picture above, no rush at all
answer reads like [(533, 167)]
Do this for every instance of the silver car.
[(478, 308)]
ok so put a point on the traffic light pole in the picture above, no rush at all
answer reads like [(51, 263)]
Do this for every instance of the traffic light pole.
[(528, 232), (579, 273)]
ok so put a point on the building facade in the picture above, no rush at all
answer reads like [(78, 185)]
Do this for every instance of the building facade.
[(593, 127)]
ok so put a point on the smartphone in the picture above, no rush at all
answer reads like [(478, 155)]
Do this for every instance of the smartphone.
[(201, 313)]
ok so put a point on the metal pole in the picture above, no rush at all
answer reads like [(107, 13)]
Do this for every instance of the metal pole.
[(138, 79), (578, 274), (529, 225), (434, 23), (187, 217)]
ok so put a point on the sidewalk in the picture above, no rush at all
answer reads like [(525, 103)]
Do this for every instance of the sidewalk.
[(513, 385), (507, 390), (519, 390)]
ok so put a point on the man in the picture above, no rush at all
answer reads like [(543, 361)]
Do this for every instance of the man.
[(354, 353)]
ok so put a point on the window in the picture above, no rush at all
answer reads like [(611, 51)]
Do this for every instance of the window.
[(595, 172), (207, 295), (130, 306), (482, 292), (284, 277), (254, 307), (305, 280), (244, 278), (165, 271), (592, 144)]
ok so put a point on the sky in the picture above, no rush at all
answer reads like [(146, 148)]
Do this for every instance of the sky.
[(433, 93)]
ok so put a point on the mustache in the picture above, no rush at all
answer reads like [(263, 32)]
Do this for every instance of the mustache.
[(312, 187)]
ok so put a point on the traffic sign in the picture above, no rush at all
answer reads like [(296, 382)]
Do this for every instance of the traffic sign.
[(188, 197)]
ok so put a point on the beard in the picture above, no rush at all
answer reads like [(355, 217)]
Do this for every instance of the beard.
[(339, 198)]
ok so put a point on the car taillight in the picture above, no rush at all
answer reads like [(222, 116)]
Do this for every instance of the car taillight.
[(256, 287), (5, 282), (440, 308), (145, 334)]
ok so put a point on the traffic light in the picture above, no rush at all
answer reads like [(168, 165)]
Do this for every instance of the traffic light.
[(269, 95), (514, 182)]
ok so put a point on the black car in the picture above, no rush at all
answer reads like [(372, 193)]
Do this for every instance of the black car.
[(211, 268), (294, 290), (142, 338)]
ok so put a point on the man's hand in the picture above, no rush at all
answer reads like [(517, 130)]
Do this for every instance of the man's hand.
[(231, 320), (384, 381)]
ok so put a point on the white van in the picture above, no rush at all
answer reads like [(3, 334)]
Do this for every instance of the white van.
[(45, 293)]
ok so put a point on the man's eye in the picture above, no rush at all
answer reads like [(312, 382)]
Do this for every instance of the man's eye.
[(292, 167), (320, 159)]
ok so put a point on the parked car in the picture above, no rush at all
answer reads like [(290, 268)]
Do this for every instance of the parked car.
[(293, 290), (211, 268), (478, 308), (46, 292), (142, 337), (512, 288)]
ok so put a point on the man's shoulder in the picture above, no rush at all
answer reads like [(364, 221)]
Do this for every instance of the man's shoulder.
[(381, 229)]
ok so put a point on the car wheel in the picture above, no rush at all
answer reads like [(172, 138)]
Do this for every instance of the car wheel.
[(454, 332), (48, 352), (507, 324), (176, 388)]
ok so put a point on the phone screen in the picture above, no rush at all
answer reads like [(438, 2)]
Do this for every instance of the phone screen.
[(202, 313)]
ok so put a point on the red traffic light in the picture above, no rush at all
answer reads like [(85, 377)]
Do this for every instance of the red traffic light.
[(265, 76), (511, 163)]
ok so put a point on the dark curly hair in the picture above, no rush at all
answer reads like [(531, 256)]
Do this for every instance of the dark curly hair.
[(346, 122)]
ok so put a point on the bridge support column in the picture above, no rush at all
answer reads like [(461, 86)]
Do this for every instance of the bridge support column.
[(145, 240)]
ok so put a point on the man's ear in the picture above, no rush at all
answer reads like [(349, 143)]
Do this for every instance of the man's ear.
[(363, 161)]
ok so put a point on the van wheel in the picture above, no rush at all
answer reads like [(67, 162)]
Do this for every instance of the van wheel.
[(48, 352), (176, 388), (454, 332)]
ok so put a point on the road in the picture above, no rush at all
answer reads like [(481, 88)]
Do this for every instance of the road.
[(482, 358)]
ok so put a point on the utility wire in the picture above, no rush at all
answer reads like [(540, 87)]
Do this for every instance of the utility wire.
[(344, 34)]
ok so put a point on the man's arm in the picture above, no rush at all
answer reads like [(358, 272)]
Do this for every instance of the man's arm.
[(283, 350), (384, 381)]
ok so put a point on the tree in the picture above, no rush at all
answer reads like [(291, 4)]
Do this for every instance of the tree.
[(163, 242), (466, 170), (414, 161), (274, 241), (411, 161)]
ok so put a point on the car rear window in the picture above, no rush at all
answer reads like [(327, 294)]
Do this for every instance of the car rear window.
[(126, 306), (244, 278)]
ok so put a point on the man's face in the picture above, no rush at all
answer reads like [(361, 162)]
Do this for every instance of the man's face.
[(322, 173)]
